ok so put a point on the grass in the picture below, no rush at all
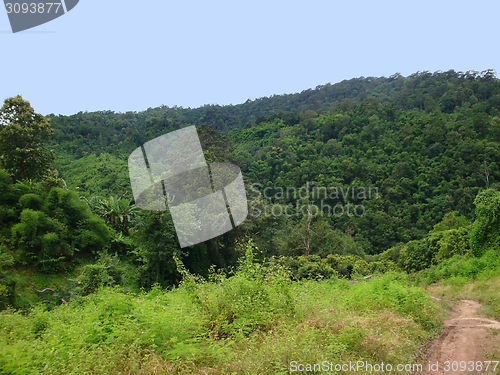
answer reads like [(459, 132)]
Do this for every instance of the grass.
[(467, 277), (255, 322)]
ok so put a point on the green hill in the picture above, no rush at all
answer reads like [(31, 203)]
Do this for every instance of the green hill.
[(362, 195)]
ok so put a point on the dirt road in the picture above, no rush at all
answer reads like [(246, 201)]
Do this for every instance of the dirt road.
[(466, 343)]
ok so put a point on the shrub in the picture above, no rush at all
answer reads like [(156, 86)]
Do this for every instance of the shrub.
[(311, 267), (254, 299), (486, 229), (107, 271)]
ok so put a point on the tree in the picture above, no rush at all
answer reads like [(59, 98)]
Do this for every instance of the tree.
[(481, 122), (53, 225), (22, 151), (117, 212), (305, 230), (156, 240)]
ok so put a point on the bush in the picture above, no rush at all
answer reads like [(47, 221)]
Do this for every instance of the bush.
[(347, 265), (44, 225), (448, 238), (254, 299), (466, 267), (252, 322), (311, 267), (107, 271), (486, 229)]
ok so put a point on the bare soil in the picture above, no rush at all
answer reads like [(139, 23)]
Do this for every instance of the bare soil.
[(468, 338)]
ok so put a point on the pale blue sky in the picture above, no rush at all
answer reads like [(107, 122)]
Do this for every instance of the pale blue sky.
[(131, 55)]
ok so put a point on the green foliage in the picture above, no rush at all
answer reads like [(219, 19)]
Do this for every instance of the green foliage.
[(438, 246), (40, 239), (95, 175), (424, 163), (255, 321), (315, 270), (348, 266), (394, 255), (427, 144), (311, 267), (156, 239), (44, 225), (417, 256), (31, 201), (91, 235), (451, 220), (22, 151), (98, 334), (216, 146), (108, 270), (334, 265), (486, 229), (6, 260), (255, 298), (448, 238), (117, 212), (446, 244), (463, 267)]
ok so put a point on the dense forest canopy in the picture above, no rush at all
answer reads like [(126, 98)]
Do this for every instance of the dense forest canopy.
[(428, 142), (102, 131)]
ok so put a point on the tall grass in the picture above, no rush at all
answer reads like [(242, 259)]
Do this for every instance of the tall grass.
[(466, 276), (254, 322)]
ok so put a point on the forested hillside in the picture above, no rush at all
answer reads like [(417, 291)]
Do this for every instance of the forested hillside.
[(406, 153), (111, 132), (428, 143), (393, 177)]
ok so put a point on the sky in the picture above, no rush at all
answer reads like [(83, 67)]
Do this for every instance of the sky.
[(131, 55)]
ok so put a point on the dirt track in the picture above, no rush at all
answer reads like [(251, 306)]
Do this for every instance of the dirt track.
[(467, 337)]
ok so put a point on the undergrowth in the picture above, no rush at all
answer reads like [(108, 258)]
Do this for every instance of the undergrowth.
[(254, 322), (469, 277)]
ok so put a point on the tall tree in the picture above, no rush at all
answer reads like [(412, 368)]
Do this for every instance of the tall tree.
[(22, 151)]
